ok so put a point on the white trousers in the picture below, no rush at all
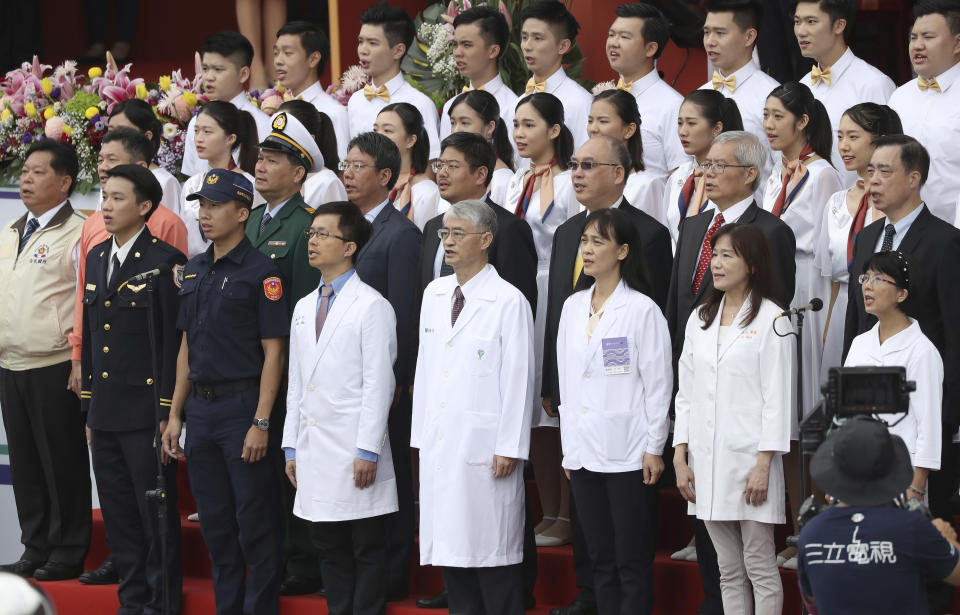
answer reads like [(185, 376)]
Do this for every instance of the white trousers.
[(747, 558)]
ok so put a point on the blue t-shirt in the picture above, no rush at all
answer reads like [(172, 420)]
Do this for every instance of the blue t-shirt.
[(871, 560)]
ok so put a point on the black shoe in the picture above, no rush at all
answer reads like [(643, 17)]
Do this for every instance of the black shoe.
[(55, 571), (22, 567), (438, 601), (530, 603), (580, 606), (295, 585), (106, 574)]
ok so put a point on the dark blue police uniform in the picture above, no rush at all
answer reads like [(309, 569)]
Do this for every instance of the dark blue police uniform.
[(226, 308), (120, 383)]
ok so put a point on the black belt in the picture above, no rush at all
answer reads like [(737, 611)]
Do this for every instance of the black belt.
[(210, 392)]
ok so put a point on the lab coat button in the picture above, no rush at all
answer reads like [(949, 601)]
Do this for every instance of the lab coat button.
[(309, 387)]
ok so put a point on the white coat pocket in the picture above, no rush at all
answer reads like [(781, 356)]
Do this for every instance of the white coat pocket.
[(484, 356), (618, 435), (479, 439)]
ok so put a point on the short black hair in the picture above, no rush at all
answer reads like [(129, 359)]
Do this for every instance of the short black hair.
[(136, 144), (231, 45), (493, 25), (656, 28), (836, 9), (476, 150), (385, 153), (352, 225), (950, 9), (63, 158), (140, 114), (397, 25), (145, 184), (747, 14), (555, 15), (894, 264), (913, 156), (312, 38)]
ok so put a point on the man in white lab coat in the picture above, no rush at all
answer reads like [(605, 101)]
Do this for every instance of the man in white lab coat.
[(471, 420), (342, 348)]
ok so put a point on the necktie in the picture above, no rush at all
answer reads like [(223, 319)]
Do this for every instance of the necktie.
[(706, 251), (792, 167), (577, 269), (816, 75), (32, 225), (532, 86), (458, 300), (326, 291), (924, 84), (719, 81), (624, 85), (546, 189), (264, 222), (114, 273), (370, 92), (859, 219), (888, 232)]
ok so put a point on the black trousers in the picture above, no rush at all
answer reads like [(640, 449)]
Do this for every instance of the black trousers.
[(353, 562), (581, 554), (48, 463), (400, 529), (484, 591), (941, 493), (125, 466), (618, 514)]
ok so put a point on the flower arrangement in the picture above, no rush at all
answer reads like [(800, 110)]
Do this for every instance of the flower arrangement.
[(429, 66), (351, 80)]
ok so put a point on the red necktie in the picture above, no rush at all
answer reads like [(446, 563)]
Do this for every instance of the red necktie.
[(706, 252), (458, 300), (859, 219), (782, 202)]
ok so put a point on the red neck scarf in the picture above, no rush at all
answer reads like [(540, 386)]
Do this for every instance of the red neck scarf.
[(792, 180)]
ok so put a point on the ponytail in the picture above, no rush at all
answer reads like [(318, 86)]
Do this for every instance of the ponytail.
[(716, 109), (626, 107), (413, 125), (550, 109), (798, 100), (487, 107), (241, 124), (729, 114), (327, 142)]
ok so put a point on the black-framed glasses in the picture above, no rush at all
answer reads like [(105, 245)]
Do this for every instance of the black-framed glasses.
[(310, 234), (588, 165), (720, 167), (456, 234)]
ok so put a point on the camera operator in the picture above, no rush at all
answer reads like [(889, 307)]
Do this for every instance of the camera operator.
[(865, 555)]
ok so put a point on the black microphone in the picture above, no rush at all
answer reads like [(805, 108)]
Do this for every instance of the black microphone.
[(815, 305), (146, 275)]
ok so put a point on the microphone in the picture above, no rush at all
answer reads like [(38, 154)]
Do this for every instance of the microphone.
[(146, 275), (815, 305)]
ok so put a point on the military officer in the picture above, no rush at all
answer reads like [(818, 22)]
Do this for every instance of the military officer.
[(121, 380), (234, 318)]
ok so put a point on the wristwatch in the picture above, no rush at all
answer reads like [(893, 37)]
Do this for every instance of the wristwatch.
[(261, 424)]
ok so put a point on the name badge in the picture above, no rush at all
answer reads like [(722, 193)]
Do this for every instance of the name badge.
[(616, 356)]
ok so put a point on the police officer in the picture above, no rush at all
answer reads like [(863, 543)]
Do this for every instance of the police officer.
[(234, 318), (121, 382)]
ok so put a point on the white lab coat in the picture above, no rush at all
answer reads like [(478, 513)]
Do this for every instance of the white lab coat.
[(734, 401), (920, 428), (608, 421), (472, 399), (339, 392)]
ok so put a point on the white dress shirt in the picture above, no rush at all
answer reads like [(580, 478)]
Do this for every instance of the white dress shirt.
[(659, 106), (373, 213), (852, 81), (192, 163), (576, 104), (171, 189), (121, 252), (644, 190), (933, 119), (337, 113), (362, 113), (323, 187)]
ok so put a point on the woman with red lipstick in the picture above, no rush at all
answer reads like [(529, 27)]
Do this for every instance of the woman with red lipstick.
[(222, 132), (544, 197), (478, 111), (847, 212), (704, 114)]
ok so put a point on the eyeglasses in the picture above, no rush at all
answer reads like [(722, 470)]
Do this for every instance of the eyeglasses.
[(588, 165), (446, 165), (356, 166), (864, 279), (310, 234), (456, 234), (720, 167)]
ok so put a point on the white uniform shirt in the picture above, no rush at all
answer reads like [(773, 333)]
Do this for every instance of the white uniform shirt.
[(852, 81), (659, 106), (323, 187), (337, 113), (933, 119), (499, 184), (192, 163), (576, 104), (425, 200), (171, 189), (644, 190), (362, 113)]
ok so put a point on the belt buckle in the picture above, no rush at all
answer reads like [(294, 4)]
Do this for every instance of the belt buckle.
[(207, 393)]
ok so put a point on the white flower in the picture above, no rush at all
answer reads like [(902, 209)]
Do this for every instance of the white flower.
[(603, 86), (170, 131), (353, 78)]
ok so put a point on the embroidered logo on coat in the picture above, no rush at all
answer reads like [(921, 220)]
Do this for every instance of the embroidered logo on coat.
[(40, 254), (178, 275), (272, 289)]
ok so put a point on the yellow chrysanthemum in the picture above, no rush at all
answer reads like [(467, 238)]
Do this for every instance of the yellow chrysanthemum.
[(91, 112), (46, 85), (30, 109), (95, 72)]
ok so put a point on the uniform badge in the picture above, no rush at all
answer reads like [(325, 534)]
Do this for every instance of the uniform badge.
[(136, 287), (280, 122), (212, 178), (189, 275), (91, 287), (277, 243), (272, 289), (178, 275), (40, 254)]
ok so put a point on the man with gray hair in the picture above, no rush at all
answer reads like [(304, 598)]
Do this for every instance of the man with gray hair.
[(472, 399), (732, 171)]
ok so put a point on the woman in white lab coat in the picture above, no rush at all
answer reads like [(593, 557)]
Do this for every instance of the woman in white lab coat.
[(733, 419), (896, 340), (613, 357), (478, 111)]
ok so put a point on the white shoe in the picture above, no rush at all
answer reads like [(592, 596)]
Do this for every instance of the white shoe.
[(781, 560), (790, 564), (692, 555), (551, 541), (684, 553), (195, 517)]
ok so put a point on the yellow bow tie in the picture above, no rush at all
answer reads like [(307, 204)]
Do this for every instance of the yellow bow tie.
[(381, 93), (816, 75), (932, 84), (534, 86), (467, 88), (625, 86), (730, 82)]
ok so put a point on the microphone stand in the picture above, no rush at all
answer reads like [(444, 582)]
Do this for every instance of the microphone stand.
[(158, 495)]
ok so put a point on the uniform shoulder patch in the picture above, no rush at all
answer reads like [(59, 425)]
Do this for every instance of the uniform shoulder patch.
[(178, 275), (309, 209), (272, 288)]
